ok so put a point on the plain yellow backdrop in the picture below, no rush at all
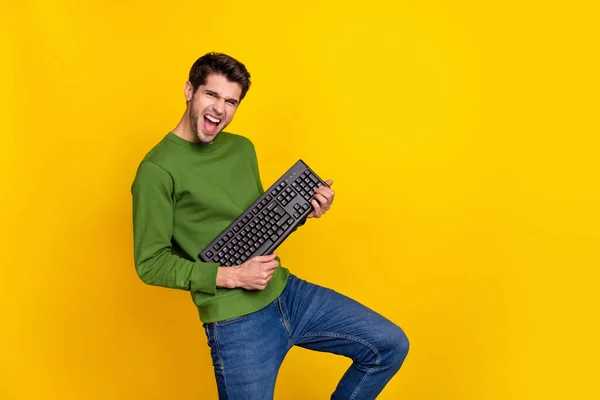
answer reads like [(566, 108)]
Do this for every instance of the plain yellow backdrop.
[(462, 137)]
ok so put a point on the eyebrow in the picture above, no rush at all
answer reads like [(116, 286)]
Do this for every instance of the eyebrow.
[(217, 94)]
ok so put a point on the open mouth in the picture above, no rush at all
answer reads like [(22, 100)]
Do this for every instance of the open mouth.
[(211, 123)]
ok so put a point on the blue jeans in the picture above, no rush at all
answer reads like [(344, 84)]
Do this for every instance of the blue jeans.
[(247, 351)]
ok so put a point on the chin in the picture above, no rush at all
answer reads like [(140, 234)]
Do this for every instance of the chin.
[(206, 138)]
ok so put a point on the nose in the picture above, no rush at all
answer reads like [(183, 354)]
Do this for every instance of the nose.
[(219, 106)]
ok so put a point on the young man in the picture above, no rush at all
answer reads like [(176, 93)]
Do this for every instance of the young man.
[(190, 187)]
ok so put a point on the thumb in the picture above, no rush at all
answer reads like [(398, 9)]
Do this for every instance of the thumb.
[(329, 182)]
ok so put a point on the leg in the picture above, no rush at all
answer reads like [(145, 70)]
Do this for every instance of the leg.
[(247, 353), (324, 320)]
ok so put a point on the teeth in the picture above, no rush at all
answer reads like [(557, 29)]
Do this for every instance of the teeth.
[(213, 119)]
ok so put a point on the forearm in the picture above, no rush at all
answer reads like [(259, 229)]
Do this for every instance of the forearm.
[(171, 271)]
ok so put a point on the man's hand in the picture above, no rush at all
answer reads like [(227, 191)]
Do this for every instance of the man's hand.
[(253, 274), (325, 196)]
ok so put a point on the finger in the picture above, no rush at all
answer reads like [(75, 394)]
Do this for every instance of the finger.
[(327, 193), (272, 265), (270, 273), (318, 212), (266, 258), (329, 182), (322, 199)]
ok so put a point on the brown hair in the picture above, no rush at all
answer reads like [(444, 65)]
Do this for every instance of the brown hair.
[(219, 63)]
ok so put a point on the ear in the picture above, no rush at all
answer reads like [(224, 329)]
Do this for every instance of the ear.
[(188, 91)]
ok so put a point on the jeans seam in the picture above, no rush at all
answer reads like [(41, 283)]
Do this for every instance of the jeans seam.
[(285, 310), (220, 360), (286, 323), (364, 378), (342, 336), (355, 339)]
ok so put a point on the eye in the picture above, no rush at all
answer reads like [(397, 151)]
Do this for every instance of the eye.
[(231, 102)]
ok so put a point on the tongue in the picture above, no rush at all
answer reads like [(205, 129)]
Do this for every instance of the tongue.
[(209, 126)]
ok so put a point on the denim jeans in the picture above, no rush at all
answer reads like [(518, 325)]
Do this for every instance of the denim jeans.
[(247, 351)]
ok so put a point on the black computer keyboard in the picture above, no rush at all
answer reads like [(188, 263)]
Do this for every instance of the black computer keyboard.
[(268, 221)]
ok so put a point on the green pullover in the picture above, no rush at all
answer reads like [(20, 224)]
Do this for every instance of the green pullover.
[(184, 195)]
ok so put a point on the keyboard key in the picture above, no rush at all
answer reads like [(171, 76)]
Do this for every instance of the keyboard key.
[(264, 247), (268, 220)]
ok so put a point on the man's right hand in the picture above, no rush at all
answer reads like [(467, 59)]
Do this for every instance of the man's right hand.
[(254, 274)]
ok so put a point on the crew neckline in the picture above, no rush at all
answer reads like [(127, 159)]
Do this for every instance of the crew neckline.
[(197, 147)]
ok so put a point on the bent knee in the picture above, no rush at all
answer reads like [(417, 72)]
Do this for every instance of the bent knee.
[(396, 347)]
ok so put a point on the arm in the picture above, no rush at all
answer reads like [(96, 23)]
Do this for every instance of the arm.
[(152, 192)]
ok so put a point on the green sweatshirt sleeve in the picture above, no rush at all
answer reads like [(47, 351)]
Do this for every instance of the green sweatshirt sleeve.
[(152, 193)]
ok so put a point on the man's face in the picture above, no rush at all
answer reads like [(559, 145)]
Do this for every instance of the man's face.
[(213, 106)]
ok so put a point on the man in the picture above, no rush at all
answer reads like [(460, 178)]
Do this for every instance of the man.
[(190, 187)]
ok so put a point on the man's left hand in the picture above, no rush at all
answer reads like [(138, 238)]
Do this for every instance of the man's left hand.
[(325, 196)]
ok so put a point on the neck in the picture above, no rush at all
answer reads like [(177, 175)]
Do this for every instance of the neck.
[(184, 128)]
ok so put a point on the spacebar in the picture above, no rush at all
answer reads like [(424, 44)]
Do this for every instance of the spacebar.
[(260, 251)]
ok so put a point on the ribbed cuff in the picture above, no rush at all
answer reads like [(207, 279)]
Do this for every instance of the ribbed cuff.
[(204, 277)]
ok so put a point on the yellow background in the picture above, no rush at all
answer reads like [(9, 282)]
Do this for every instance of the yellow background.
[(462, 137)]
